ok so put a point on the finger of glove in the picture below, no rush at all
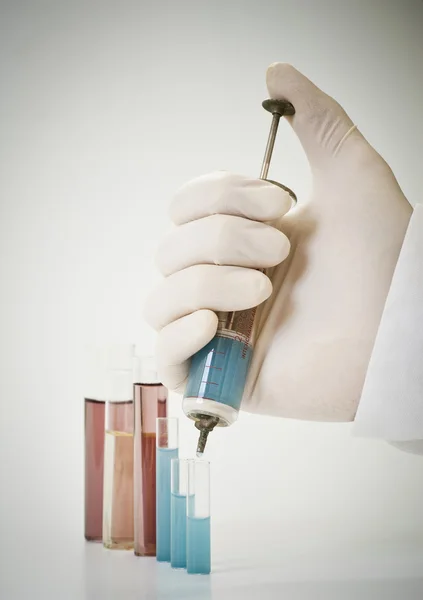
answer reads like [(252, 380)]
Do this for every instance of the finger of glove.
[(229, 194), (222, 240), (180, 340), (209, 287)]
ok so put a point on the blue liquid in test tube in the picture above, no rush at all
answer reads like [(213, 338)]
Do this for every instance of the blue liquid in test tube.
[(178, 551), (164, 456), (198, 547), (198, 518), (179, 490)]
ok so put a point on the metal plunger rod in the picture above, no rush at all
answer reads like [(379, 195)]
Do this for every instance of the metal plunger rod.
[(270, 145), (278, 108)]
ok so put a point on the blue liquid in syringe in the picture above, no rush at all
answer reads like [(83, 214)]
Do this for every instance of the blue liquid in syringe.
[(219, 371), (163, 505), (198, 545), (178, 552)]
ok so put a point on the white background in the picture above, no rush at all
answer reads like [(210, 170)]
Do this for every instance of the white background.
[(106, 108)]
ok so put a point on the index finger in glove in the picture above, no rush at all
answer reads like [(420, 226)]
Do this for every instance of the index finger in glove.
[(229, 194), (216, 288)]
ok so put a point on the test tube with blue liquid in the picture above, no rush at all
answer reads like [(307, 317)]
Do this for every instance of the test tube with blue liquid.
[(179, 497), (218, 372), (198, 518), (167, 448)]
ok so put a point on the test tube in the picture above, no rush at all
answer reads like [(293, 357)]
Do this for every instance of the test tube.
[(150, 399), (94, 455), (198, 521), (94, 416), (118, 489), (178, 524), (167, 448)]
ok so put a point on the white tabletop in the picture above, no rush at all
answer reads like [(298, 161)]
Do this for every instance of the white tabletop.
[(76, 570)]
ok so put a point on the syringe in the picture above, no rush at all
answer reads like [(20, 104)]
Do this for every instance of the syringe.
[(218, 372)]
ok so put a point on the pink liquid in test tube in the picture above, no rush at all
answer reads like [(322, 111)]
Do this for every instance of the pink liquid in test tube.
[(94, 463), (94, 420)]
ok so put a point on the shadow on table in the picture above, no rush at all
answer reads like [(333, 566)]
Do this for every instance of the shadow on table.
[(174, 584)]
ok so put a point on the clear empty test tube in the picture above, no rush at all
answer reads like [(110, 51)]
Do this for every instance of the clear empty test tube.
[(178, 523), (167, 439), (198, 521)]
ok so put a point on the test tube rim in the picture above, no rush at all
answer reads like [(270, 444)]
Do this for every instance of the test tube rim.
[(191, 484), (158, 434), (179, 460)]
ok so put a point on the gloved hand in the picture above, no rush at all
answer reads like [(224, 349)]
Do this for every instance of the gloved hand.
[(324, 299)]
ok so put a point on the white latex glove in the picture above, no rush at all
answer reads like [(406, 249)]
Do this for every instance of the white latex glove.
[(317, 328)]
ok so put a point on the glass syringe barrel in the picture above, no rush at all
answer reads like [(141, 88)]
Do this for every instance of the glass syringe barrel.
[(218, 372)]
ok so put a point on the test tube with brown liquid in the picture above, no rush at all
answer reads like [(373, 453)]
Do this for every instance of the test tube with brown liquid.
[(94, 461), (150, 402), (94, 419)]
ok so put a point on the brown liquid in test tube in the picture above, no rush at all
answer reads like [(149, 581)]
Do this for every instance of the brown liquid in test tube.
[(94, 461), (150, 403)]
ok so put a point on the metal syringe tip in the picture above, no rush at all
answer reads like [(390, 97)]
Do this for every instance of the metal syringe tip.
[(205, 424), (202, 440)]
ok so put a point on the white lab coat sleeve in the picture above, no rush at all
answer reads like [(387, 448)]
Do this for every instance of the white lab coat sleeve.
[(391, 405)]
